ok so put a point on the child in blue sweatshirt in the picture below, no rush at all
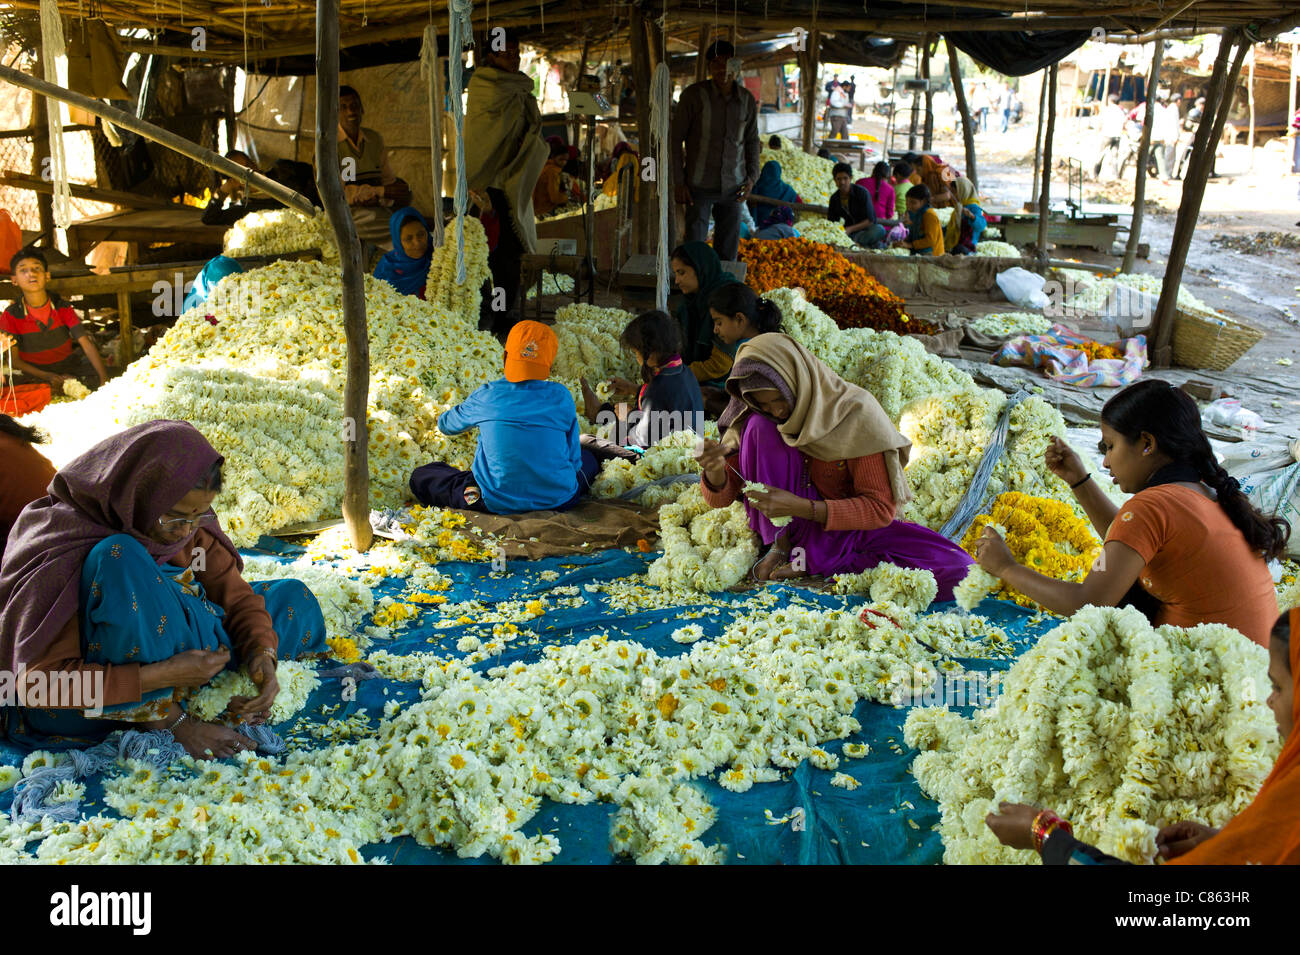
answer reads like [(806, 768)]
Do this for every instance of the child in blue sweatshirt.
[(528, 456)]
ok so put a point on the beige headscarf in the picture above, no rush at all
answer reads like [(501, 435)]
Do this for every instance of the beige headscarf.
[(832, 420), (504, 148)]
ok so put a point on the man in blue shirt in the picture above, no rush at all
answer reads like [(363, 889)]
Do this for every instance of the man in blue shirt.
[(528, 457)]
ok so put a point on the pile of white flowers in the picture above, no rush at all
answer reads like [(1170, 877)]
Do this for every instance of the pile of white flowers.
[(553, 284), (265, 386), (1012, 323), (705, 548), (588, 344), (669, 456), (949, 435), (913, 589), (74, 389), (343, 600), (991, 247), (1094, 290), (809, 176), (297, 682), (1116, 726), (820, 229), (279, 232)]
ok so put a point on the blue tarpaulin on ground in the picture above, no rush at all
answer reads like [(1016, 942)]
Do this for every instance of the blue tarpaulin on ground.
[(868, 825)]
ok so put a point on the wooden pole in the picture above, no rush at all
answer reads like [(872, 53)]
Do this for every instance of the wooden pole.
[(40, 158), (1144, 148), (1250, 93), (163, 137), (647, 204), (1290, 95), (1222, 92), (927, 136), (356, 465), (702, 44), (1038, 143), (963, 108), (437, 111), (808, 60), (1045, 196)]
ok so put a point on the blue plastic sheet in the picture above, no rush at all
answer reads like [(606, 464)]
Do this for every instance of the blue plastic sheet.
[(868, 825)]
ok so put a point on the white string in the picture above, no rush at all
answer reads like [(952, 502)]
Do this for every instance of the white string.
[(660, 105), (459, 27), (432, 72), (54, 60)]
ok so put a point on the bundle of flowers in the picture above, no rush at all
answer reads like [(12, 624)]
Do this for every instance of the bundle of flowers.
[(588, 344), (705, 548), (949, 436), (343, 601), (265, 386), (991, 247), (297, 682), (1288, 587), (809, 176), (1117, 726), (74, 389), (1006, 324), (671, 455), (846, 292), (888, 583), (553, 284), (279, 232), (816, 228), (1095, 291), (1043, 535)]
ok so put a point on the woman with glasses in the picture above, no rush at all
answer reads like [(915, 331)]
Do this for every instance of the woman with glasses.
[(121, 582)]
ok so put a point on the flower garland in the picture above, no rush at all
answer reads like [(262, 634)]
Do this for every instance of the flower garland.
[(1043, 535), (816, 228), (914, 589), (1115, 725), (1006, 324), (297, 682), (705, 548), (671, 455), (279, 232), (343, 601), (74, 389), (992, 247), (809, 176)]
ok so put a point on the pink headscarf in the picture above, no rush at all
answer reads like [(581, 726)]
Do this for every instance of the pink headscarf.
[(120, 486)]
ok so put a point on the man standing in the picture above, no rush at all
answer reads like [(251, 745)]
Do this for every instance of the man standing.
[(1008, 101), (715, 152), (1113, 119), (1165, 120), (504, 156)]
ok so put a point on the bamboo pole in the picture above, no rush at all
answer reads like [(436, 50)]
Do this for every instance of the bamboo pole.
[(1038, 143), (161, 136), (927, 135), (963, 108), (1144, 148), (647, 204), (356, 465), (1250, 93), (1223, 90), (808, 60), (1045, 195)]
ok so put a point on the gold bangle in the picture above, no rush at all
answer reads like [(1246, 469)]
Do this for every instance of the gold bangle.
[(268, 651)]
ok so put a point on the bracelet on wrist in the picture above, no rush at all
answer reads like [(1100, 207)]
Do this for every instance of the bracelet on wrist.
[(178, 721), (268, 651), (1084, 480)]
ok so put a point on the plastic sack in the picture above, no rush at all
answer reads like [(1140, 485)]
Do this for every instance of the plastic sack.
[(1023, 288), (1254, 457), (1228, 413)]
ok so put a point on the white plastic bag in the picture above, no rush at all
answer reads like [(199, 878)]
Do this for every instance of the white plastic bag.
[(1228, 413), (1023, 288)]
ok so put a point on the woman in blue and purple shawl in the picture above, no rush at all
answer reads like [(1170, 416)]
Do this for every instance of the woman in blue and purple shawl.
[(122, 583), (406, 267)]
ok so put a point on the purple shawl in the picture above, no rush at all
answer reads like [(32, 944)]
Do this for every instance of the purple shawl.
[(120, 486), (751, 375)]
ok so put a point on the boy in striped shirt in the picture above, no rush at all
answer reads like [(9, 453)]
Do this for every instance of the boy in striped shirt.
[(45, 329)]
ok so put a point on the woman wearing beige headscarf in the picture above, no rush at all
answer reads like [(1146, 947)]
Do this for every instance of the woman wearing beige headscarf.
[(964, 229), (832, 462)]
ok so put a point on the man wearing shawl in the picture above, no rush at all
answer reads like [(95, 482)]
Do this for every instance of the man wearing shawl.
[(832, 462), (406, 267), (123, 575), (772, 186), (1267, 832), (504, 156), (715, 152)]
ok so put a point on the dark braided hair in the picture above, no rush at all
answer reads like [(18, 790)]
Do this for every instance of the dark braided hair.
[(1170, 416), (737, 299), (22, 432), (653, 334)]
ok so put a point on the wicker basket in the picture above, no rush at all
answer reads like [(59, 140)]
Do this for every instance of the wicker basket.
[(1204, 339)]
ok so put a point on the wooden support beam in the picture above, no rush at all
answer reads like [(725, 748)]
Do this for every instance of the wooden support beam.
[(808, 60), (647, 203), (18, 180), (161, 136), (1049, 134), (41, 157), (354, 428), (1038, 144), (1218, 104), (927, 135), (702, 44), (1144, 149), (963, 109)]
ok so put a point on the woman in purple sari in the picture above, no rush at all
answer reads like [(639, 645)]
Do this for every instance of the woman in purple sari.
[(832, 462), (121, 589)]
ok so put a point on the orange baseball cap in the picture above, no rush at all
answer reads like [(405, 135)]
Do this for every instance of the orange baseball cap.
[(530, 352)]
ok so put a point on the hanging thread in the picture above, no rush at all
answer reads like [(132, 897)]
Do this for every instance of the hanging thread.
[(660, 105), (54, 61), (431, 70), (459, 27)]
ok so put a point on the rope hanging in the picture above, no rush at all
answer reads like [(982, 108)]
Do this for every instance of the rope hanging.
[(54, 61), (431, 70), (660, 105), (971, 503), (459, 29)]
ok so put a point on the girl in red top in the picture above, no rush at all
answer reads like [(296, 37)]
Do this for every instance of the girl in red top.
[(1187, 548), (832, 463)]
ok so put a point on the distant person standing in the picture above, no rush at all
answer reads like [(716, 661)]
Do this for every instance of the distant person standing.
[(839, 111), (1165, 120), (715, 152), (1008, 102), (1113, 119)]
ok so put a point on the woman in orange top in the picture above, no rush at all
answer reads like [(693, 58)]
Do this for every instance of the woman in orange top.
[(1187, 548), (27, 473), (1267, 832)]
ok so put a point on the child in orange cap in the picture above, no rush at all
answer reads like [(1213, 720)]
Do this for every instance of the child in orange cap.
[(529, 457)]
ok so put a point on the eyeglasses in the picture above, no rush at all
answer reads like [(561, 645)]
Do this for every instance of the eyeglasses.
[(186, 522)]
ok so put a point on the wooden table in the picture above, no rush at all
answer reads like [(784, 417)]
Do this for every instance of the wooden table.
[(177, 224), (1086, 229), (861, 147)]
